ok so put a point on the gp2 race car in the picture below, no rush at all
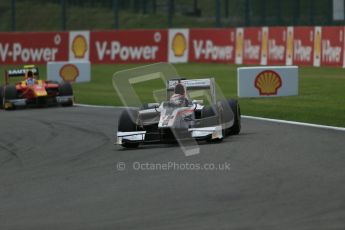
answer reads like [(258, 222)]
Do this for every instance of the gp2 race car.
[(181, 117), (33, 91)]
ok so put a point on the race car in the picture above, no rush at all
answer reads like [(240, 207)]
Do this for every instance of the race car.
[(30, 90), (181, 116)]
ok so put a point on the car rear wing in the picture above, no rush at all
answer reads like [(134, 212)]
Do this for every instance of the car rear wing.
[(20, 72), (190, 84), (193, 84)]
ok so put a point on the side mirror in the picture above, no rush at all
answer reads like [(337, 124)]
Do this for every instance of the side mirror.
[(201, 102), (153, 105), (195, 106)]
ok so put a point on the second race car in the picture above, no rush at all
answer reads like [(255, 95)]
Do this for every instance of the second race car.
[(30, 90)]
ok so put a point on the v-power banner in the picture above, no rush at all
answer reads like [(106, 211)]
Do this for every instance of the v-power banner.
[(306, 46)]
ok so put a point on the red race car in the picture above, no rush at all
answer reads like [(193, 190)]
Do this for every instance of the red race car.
[(33, 91)]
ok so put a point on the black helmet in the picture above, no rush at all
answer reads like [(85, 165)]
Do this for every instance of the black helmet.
[(179, 89), (30, 74)]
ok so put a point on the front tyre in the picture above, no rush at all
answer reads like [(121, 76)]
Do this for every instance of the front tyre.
[(9, 92), (1, 97), (210, 113), (65, 89), (127, 123), (236, 127)]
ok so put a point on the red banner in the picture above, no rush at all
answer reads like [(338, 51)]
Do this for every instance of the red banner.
[(252, 45), (332, 46), (318, 46), (277, 45), (33, 48), (303, 45), (128, 46), (212, 45)]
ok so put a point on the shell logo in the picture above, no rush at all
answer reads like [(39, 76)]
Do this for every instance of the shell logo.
[(79, 46), (268, 82), (69, 73), (179, 44)]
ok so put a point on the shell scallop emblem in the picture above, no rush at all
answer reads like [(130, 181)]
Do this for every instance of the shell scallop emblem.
[(179, 44), (268, 82), (79, 46), (69, 73)]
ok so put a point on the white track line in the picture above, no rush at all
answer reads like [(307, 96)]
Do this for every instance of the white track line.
[(99, 106), (243, 116), (295, 123)]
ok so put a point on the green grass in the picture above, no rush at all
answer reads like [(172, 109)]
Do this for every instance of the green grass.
[(321, 99)]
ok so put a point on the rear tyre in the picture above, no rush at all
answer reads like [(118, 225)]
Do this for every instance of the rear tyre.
[(9, 93), (65, 89), (236, 127), (127, 123)]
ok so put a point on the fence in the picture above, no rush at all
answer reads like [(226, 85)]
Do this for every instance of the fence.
[(53, 15)]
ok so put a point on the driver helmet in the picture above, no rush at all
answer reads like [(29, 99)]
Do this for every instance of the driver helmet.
[(180, 89), (179, 97), (29, 77)]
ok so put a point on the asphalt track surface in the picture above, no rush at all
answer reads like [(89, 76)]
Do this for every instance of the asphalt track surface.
[(58, 170)]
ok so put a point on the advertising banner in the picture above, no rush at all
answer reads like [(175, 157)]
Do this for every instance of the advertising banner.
[(289, 46), (277, 43), (252, 46), (303, 44), (73, 71), (79, 45), (332, 46), (33, 47), (212, 45), (239, 46), (268, 81), (317, 45), (264, 46), (128, 46), (178, 45), (344, 50)]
